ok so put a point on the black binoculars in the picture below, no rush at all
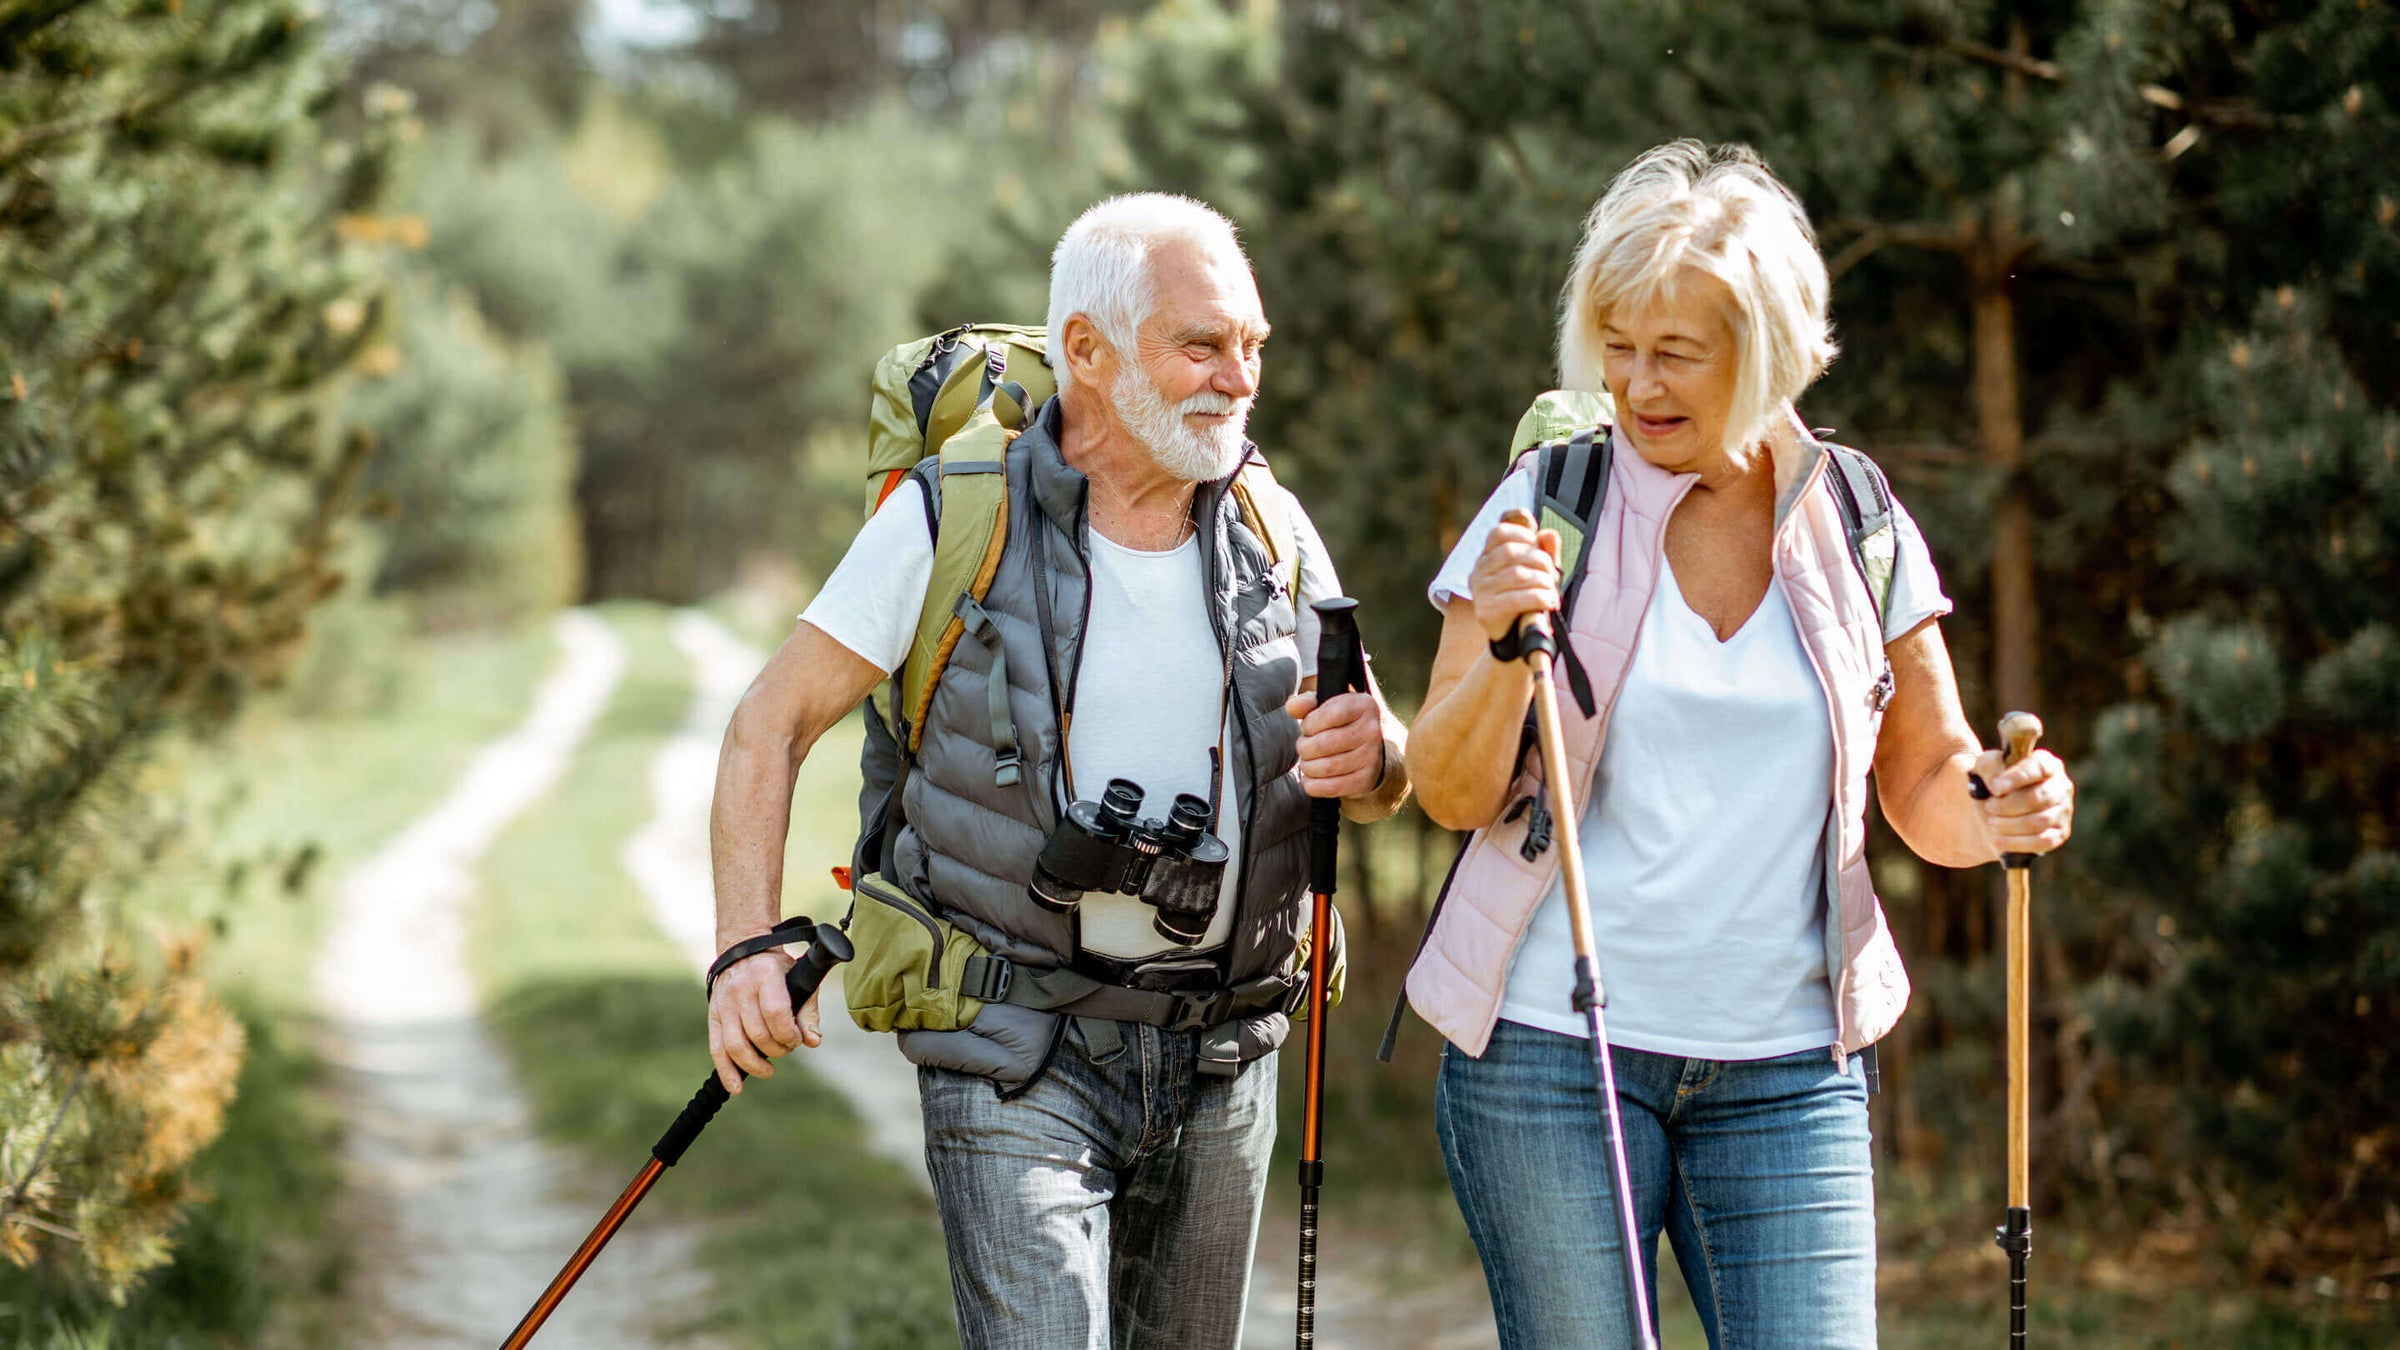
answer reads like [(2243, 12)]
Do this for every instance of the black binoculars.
[(1175, 866)]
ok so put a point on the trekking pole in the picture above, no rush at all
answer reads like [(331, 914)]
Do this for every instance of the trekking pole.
[(1540, 646), (2018, 732), (1341, 669), (827, 948)]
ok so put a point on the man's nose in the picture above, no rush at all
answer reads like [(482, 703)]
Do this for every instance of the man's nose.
[(1236, 377)]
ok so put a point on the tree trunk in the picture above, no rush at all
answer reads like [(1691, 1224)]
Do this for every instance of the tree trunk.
[(2016, 669), (2015, 619)]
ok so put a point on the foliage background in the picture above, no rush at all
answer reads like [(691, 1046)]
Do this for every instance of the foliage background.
[(429, 314)]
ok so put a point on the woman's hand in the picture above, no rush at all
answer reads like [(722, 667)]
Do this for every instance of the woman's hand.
[(2032, 806), (1516, 576)]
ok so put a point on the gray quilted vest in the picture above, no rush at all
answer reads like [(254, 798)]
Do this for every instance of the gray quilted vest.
[(965, 837)]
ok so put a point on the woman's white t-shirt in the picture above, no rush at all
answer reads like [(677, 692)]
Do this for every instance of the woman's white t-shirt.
[(1702, 842), (1149, 690)]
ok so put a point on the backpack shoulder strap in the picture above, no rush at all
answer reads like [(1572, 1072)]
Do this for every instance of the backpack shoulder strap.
[(1267, 509), (1570, 484), (1864, 498), (967, 491)]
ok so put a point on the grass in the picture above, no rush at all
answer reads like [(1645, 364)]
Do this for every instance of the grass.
[(275, 809), (812, 1241)]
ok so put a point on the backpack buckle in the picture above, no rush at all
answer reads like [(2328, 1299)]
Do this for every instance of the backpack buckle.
[(1537, 833), (987, 979), (1199, 1012)]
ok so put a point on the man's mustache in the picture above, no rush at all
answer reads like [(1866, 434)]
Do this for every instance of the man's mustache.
[(1210, 401)]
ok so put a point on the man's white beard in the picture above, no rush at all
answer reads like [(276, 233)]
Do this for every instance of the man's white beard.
[(1182, 450)]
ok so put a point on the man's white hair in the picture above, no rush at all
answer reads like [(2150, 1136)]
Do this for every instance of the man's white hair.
[(1101, 268), (1722, 211)]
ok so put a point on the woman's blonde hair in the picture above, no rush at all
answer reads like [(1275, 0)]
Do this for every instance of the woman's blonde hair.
[(1720, 210)]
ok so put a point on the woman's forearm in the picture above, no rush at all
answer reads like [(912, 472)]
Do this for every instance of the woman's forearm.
[(1463, 750), (1940, 820)]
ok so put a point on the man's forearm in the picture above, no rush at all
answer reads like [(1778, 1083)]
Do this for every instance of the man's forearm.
[(747, 825)]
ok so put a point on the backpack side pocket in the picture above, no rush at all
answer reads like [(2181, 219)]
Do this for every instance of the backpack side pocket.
[(910, 963)]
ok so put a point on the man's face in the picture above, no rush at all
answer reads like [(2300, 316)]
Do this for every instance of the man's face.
[(1187, 393)]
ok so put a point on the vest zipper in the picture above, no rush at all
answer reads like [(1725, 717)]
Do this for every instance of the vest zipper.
[(1083, 634), (1836, 950), (1234, 946)]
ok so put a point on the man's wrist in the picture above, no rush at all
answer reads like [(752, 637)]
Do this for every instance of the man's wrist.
[(1390, 790)]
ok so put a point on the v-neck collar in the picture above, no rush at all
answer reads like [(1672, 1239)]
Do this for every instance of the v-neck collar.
[(1668, 581)]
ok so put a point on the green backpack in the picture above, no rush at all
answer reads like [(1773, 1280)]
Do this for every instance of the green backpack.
[(944, 410)]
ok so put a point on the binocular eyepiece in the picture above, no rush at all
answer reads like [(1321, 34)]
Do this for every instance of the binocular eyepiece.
[(1175, 866)]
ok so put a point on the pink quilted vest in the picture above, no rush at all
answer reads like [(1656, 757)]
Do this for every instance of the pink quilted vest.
[(1457, 981)]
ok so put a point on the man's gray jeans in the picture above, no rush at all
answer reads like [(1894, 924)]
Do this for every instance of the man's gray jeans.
[(1112, 1206)]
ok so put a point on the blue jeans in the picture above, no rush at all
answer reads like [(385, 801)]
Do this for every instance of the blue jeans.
[(1113, 1204), (1757, 1170)]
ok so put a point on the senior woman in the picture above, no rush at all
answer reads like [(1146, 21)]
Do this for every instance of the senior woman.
[(1744, 686)]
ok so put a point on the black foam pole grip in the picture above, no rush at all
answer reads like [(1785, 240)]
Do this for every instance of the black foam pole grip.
[(1341, 669), (827, 948)]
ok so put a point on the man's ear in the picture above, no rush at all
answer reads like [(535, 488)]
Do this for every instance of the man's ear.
[(1087, 354)]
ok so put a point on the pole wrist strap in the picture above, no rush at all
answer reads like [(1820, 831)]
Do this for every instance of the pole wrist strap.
[(798, 928), (1522, 641)]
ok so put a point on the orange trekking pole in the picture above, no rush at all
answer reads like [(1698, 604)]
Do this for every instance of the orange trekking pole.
[(827, 948), (1341, 669)]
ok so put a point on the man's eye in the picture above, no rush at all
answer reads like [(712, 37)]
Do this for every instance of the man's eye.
[(1619, 349)]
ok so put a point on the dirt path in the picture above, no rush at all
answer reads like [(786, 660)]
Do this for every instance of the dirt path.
[(471, 1213), (1361, 1305)]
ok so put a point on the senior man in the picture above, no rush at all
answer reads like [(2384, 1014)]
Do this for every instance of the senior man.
[(1099, 1170)]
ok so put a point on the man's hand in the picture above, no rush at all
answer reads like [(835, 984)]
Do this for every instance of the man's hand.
[(1341, 744), (750, 1019)]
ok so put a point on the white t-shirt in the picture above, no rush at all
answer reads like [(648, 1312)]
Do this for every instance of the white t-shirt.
[(1702, 842), (1149, 692)]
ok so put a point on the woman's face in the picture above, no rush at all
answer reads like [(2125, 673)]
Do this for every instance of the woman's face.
[(1671, 369)]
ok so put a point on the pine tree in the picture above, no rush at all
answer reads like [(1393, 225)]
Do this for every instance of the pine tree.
[(2248, 800), (178, 303)]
